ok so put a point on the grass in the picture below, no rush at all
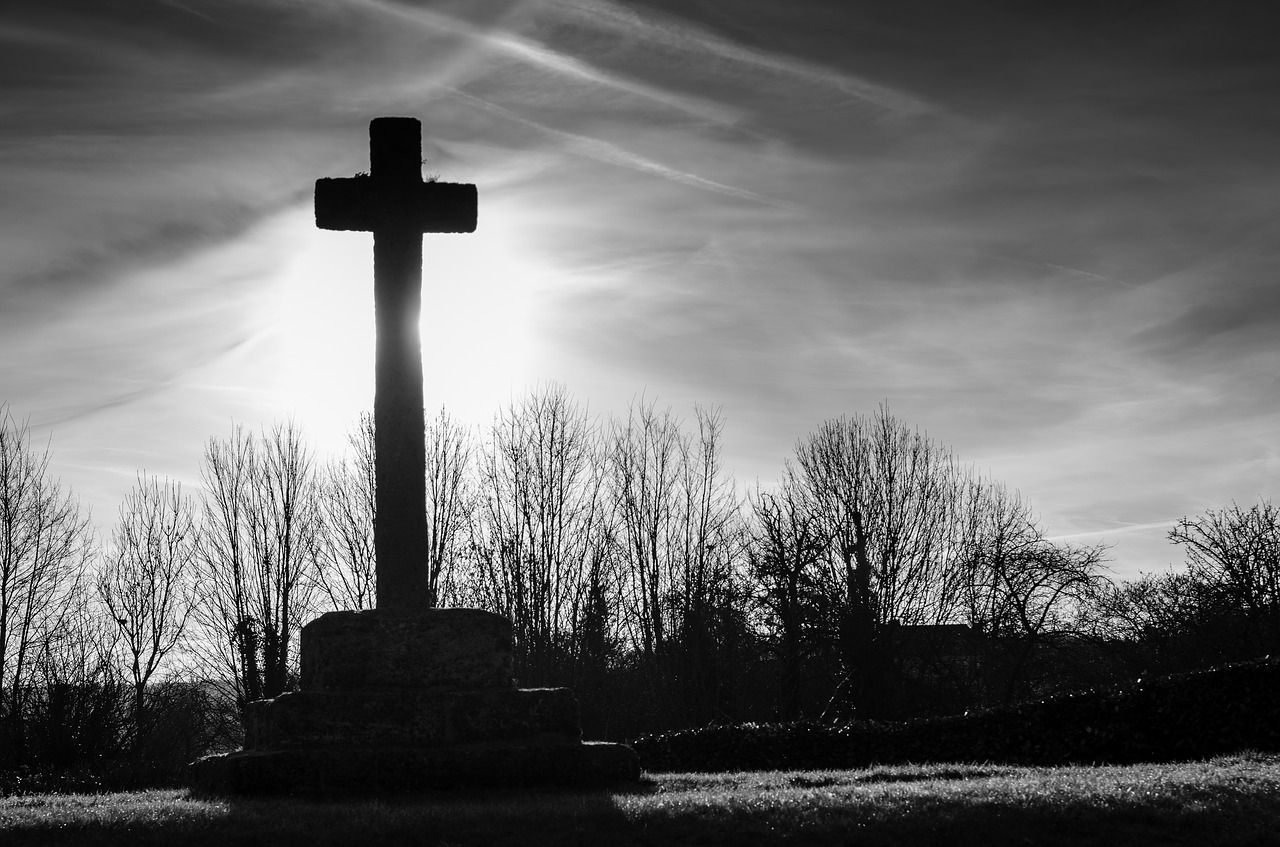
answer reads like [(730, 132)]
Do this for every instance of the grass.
[(1231, 800)]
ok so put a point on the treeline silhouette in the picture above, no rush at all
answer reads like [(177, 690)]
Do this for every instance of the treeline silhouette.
[(879, 578)]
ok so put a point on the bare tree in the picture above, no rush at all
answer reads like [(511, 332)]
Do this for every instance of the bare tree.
[(786, 552), (145, 579), (1020, 588), (1171, 622), (835, 479), (45, 546), (80, 709), (257, 551), (1045, 588), (539, 525), (347, 562), (1221, 607), (1143, 609), (998, 532), (713, 541), (450, 501), (887, 496), (680, 538), (645, 456), (1236, 553)]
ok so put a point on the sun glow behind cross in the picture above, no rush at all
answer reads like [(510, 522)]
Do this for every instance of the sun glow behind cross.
[(477, 325)]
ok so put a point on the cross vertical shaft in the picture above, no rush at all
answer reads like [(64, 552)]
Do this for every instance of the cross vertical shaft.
[(400, 462)]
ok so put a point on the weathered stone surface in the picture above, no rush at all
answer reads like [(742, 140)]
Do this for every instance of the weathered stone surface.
[(380, 649), (368, 204), (386, 770), (527, 716)]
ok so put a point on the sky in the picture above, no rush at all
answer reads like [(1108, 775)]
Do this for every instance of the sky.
[(1049, 240)]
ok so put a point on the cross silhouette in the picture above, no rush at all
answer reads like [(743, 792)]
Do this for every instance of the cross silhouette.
[(393, 203)]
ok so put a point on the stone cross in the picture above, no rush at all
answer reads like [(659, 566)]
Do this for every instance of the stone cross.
[(393, 203)]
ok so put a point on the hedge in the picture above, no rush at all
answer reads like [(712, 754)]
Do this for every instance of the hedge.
[(1185, 716)]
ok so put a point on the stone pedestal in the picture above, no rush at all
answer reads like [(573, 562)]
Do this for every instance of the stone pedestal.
[(406, 701)]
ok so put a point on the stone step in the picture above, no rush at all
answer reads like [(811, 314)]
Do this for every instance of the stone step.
[(387, 770), (382, 649), (429, 718)]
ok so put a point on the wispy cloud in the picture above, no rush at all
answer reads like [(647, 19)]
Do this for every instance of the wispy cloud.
[(1059, 260), (1118, 529), (493, 40), (614, 154), (701, 47)]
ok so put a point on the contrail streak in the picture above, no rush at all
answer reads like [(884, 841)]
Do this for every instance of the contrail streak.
[(1119, 530), (537, 55), (612, 154), (694, 40)]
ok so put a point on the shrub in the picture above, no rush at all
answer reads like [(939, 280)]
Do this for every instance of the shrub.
[(1183, 716)]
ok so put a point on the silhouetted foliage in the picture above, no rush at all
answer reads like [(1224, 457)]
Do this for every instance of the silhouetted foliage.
[(145, 581), (257, 549), (538, 528), (786, 551), (45, 547), (1234, 554), (880, 577), (347, 569)]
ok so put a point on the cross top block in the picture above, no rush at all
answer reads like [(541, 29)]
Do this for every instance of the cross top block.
[(393, 195)]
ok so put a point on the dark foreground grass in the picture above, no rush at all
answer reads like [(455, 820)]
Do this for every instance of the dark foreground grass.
[(1233, 800)]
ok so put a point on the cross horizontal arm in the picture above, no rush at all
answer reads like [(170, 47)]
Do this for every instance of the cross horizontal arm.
[(369, 204)]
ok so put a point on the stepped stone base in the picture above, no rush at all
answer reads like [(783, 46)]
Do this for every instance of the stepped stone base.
[(393, 770), (406, 701), (414, 718)]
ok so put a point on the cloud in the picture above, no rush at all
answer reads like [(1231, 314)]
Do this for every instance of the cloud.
[(656, 33), (1223, 308), (1048, 244), (144, 332), (613, 154)]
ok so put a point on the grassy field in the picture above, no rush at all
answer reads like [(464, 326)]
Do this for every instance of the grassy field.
[(1233, 800)]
